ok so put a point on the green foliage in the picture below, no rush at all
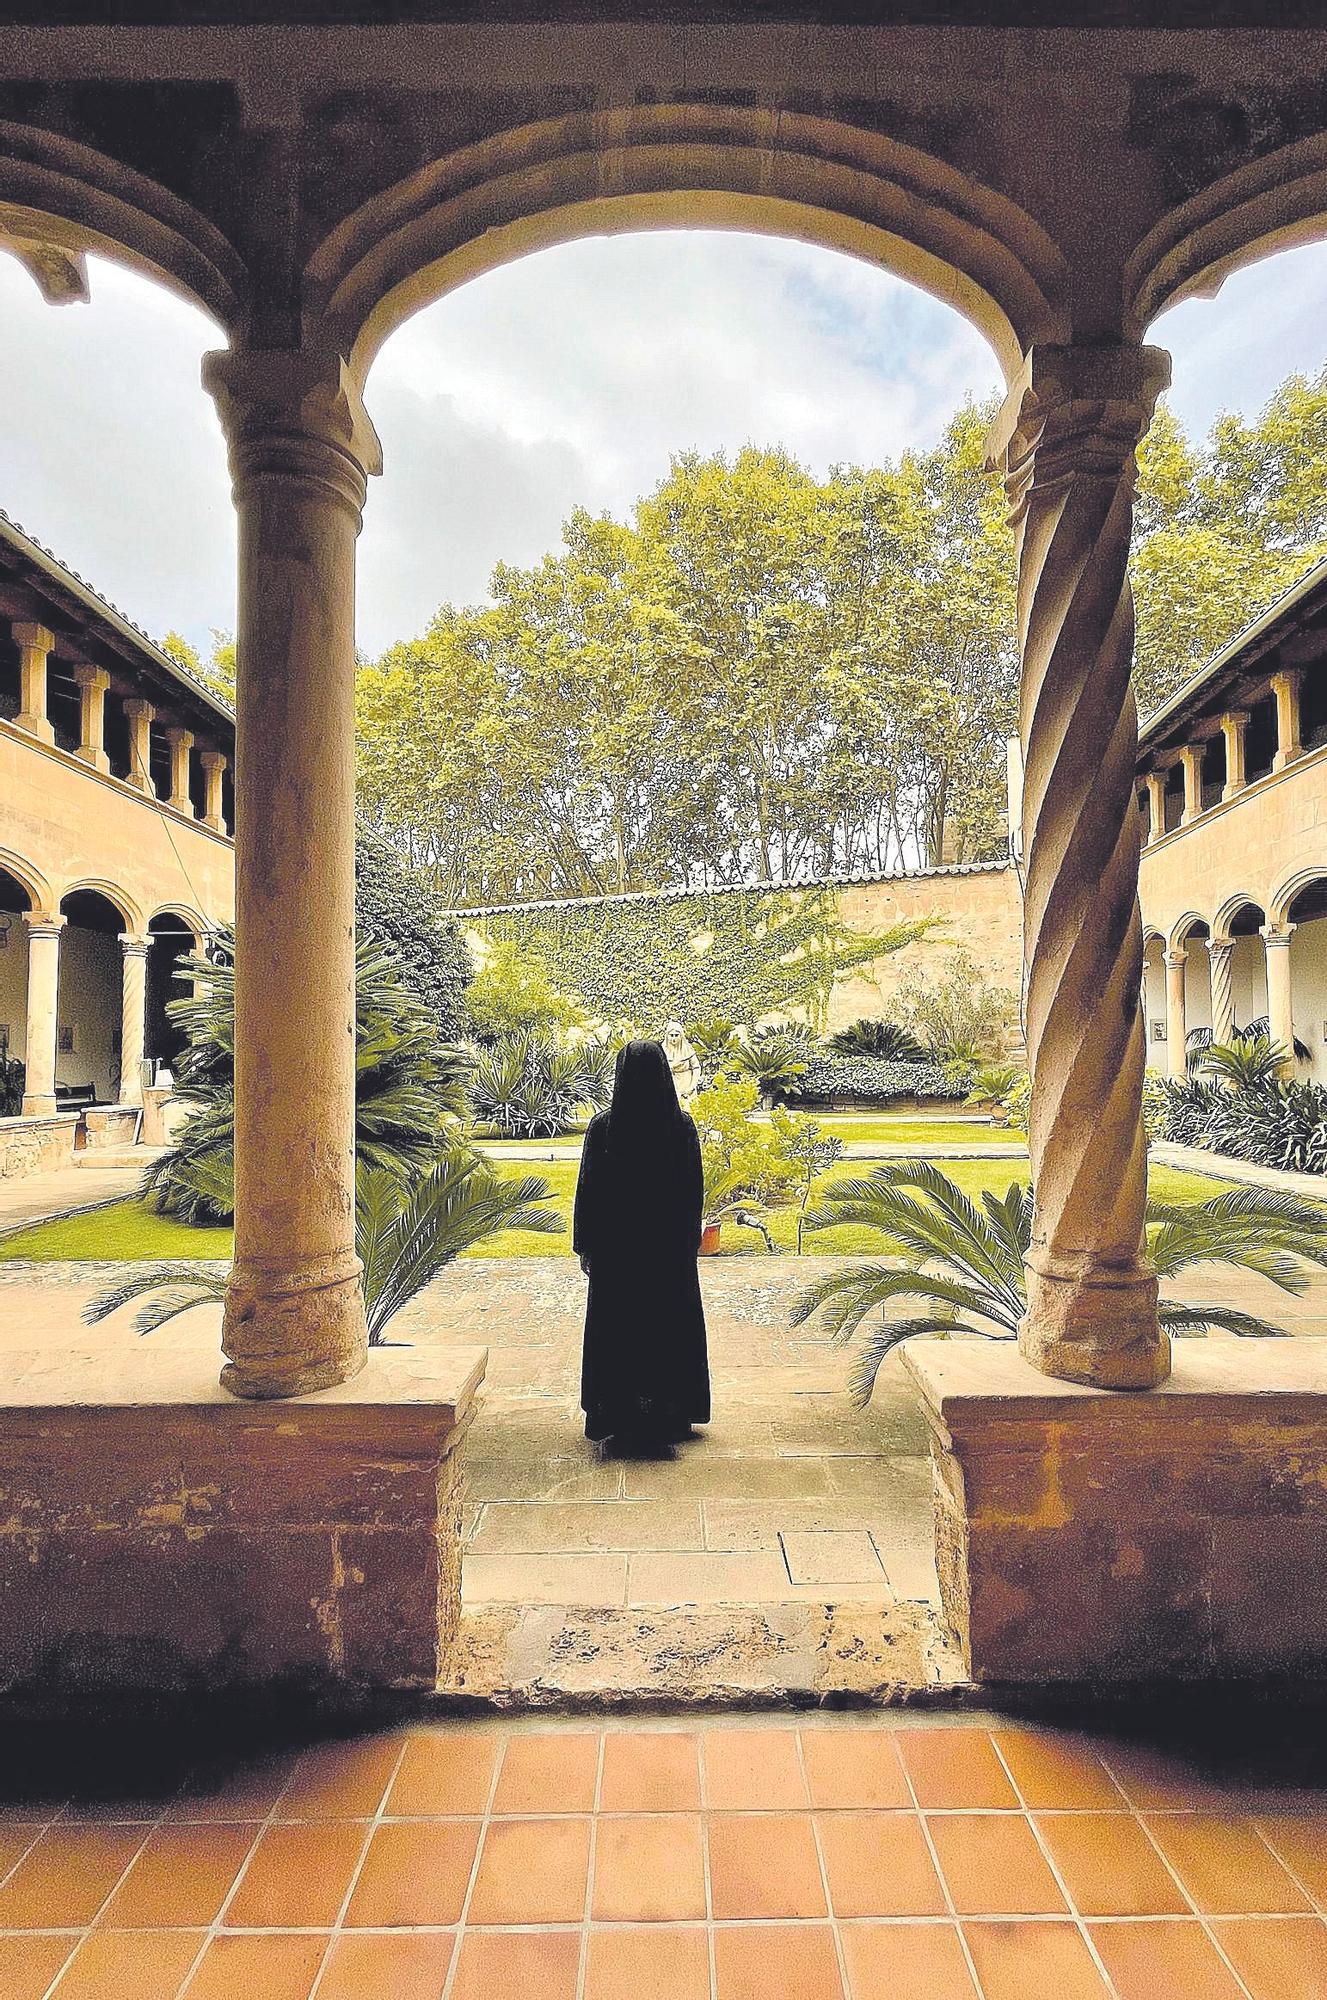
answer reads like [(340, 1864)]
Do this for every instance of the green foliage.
[(395, 907), (761, 676), (885, 1039), (530, 1085), (513, 992), (217, 671), (1277, 1123), (834, 1079), (745, 1164), (1224, 527), (776, 1057), (406, 1231), (739, 955), (958, 1268), (957, 1012), (1250, 1062), (713, 1040), (407, 1082), (992, 1083)]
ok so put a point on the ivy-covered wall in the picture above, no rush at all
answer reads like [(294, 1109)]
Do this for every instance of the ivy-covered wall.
[(824, 954)]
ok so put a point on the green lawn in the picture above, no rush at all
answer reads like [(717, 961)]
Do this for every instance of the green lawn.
[(899, 1131), (128, 1231)]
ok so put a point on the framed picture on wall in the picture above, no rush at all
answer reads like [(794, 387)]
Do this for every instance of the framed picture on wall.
[(66, 1043)]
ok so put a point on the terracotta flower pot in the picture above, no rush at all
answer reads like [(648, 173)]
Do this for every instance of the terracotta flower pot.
[(709, 1239)]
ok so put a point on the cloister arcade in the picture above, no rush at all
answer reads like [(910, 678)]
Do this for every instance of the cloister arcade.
[(1060, 187)]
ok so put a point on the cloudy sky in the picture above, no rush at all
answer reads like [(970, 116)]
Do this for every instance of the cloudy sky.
[(564, 379)]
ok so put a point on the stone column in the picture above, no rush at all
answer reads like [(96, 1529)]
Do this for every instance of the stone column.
[(92, 685), (214, 770), (43, 1001), (1221, 958), (181, 743), (1065, 442), (1234, 728), (34, 643), (140, 714), (133, 1016), (300, 449), (1285, 687), (1156, 804), (1191, 761), (1280, 1010), (1177, 1019)]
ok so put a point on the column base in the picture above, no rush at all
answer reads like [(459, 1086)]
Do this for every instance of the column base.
[(96, 760), (1092, 1325), (39, 1105), (293, 1332)]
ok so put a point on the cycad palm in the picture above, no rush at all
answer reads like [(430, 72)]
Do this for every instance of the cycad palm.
[(408, 1081), (404, 1235), (959, 1267)]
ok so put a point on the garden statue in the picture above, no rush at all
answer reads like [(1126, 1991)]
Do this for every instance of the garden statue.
[(682, 1061)]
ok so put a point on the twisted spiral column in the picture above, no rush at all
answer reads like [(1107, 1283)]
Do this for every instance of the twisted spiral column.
[(1221, 960), (1065, 443)]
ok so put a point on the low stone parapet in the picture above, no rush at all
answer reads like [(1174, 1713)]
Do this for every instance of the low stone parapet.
[(36, 1145), (157, 1535), (106, 1125), (1087, 1536)]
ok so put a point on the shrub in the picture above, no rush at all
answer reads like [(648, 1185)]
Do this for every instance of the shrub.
[(744, 1160), (872, 1081), (12, 1077), (1250, 1062), (1273, 1124), (714, 1040), (959, 1016), (512, 993), (992, 1083), (776, 1057), (884, 1039), (533, 1086), (394, 907)]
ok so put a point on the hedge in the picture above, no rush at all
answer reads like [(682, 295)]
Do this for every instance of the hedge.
[(873, 1080)]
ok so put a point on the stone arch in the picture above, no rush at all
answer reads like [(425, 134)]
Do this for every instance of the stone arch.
[(1274, 203), (60, 195), (1183, 929), (189, 919), (130, 914), (694, 166), (1230, 912), (1279, 905), (31, 880)]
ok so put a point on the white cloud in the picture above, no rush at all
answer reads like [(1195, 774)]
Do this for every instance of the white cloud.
[(565, 379)]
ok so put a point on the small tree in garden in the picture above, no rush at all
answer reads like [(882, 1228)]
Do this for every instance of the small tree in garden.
[(959, 1015), (513, 993)]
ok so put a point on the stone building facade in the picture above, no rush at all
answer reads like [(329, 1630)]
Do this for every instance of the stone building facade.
[(1233, 883), (116, 856)]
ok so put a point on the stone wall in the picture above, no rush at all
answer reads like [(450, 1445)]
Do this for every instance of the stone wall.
[(35, 1145), (981, 911)]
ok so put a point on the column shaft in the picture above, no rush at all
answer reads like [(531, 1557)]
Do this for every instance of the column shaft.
[(181, 743), (42, 1009), (34, 643), (1177, 1016), (140, 715), (214, 768), (1221, 956), (1289, 746), (133, 1016), (93, 683), (1066, 442), (1191, 760), (1156, 801), (300, 448), (1234, 728), (1280, 1006)]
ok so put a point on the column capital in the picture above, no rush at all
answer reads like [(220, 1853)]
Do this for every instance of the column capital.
[(213, 760), (35, 638), (1176, 959), (133, 946), (138, 709), (1220, 947), (44, 923), (1275, 934), (88, 676), (178, 736), (1234, 718), (1074, 410), (294, 413)]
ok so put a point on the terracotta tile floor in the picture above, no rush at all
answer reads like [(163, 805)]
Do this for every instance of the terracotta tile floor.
[(840, 1857)]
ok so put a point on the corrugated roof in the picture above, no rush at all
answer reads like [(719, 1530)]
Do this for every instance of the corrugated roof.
[(735, 888), (101, 607)]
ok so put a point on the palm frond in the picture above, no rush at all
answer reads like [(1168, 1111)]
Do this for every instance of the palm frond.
[(1183, 1319), (880, 1343)]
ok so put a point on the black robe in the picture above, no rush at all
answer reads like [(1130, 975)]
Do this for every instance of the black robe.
[(645, 1371)]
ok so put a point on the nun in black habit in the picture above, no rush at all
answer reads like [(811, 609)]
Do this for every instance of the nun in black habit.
[(645, 1376)]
